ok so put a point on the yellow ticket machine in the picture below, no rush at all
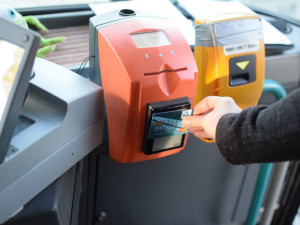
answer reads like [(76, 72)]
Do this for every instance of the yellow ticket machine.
[(229, 52)]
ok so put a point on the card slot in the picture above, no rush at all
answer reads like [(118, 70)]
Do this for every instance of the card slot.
[(165, 71)]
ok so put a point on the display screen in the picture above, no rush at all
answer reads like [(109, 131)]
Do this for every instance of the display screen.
[(150, 39), (167, 142), (10, 58)]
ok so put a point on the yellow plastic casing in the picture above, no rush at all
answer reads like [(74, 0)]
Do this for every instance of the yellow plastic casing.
[(213, 77), (224, 42)]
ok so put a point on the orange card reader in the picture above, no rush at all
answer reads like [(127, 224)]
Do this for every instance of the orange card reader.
[(149, 75)]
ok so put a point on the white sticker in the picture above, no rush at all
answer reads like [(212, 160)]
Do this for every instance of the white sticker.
[(241, 48), (186, 113)]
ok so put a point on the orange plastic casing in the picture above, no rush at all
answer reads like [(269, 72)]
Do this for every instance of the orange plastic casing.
[(133, 77)]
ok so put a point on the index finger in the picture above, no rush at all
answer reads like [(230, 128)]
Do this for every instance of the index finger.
[(205, 105), (193, 121)]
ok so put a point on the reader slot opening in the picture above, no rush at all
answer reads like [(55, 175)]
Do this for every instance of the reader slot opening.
[(239, 79), (165, 71)]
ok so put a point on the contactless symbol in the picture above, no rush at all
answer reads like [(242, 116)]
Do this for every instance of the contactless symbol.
[(242, 65)]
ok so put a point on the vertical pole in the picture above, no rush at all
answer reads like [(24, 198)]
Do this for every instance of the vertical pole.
[(274, 194)]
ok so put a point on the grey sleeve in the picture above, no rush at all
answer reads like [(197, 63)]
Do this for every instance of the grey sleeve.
[(262, 133)]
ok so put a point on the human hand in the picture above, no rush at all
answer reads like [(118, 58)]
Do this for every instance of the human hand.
[(206, 115)]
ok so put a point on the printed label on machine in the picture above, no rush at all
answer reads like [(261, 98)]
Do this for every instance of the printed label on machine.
[(241, 48), (168, 123)]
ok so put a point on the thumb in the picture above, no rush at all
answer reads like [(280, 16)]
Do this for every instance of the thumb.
[(193, 121)]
